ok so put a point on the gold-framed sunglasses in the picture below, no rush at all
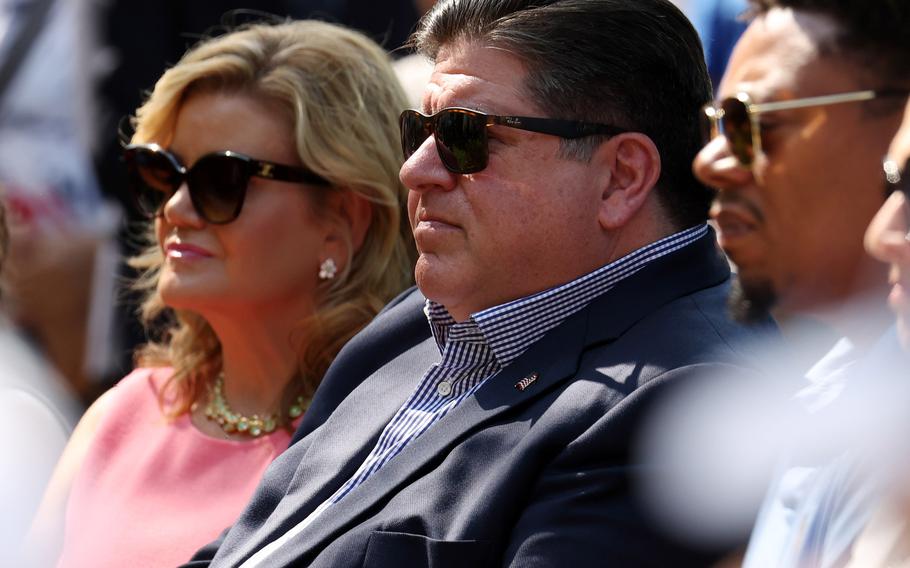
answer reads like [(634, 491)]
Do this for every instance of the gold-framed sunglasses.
[(736, 117), (897, 179)]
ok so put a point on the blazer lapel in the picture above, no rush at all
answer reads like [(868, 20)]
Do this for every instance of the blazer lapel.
[(333, 452), (695, 267), (496, 396)]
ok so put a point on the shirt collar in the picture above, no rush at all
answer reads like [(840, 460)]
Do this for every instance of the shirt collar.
[(510, 328)]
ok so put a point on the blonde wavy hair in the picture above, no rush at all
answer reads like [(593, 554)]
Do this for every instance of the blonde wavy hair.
[(344, 98)]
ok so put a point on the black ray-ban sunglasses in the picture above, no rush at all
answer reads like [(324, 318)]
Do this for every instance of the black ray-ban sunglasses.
[(217, 182), (461, 134), (736, 117)]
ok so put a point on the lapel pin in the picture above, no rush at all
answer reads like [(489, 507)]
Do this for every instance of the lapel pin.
[(527, 381)]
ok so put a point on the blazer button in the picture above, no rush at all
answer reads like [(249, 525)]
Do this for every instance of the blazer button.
[(444, 388)]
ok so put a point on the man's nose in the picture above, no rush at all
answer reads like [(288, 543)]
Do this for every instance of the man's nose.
[(424, 170), (717, 167)]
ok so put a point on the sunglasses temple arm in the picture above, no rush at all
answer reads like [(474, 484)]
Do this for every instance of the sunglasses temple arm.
[(812, 101), (553, 126), (285, 173)]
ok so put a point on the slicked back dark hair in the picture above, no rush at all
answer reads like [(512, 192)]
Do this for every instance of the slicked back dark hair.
[(874, 33), (637, 64)]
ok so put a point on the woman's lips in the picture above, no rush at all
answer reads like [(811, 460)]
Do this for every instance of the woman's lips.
[(186, 251)]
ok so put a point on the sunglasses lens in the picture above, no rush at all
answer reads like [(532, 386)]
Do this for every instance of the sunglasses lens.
[(461, 140), (218, 187), (737, 127), (152, 179), (414, 130)]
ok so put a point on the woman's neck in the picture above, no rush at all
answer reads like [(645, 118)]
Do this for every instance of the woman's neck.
[(259, 358)]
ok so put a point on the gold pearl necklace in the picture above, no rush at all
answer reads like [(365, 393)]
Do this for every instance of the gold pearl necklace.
[(218, 410)]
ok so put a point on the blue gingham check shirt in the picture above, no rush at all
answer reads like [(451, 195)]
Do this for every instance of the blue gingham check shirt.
[(475, 350)]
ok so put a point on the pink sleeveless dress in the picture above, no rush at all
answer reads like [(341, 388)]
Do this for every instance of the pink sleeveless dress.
[(152, 492)]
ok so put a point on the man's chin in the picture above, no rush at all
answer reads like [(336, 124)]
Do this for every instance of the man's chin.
[(750, 302)]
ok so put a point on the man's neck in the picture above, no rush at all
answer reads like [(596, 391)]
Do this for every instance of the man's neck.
[(618, 248)]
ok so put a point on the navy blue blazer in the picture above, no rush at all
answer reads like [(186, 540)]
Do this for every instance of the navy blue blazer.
[(535, 477)]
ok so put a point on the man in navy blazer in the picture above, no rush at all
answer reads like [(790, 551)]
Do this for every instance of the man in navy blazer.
[(567, 280)]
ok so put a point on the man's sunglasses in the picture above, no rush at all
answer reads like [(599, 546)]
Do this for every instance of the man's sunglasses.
[(896, 178), (217, 182), (461, 134), (736, 117)]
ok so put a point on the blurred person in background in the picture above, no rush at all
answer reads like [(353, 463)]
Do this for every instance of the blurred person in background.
[(812, 97), (268, 158), (61, 229), (884, 528), (888, 236), (807, 107), (53, 236), (33, 402)]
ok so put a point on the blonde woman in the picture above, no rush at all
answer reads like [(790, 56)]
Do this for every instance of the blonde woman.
[(268, 160)]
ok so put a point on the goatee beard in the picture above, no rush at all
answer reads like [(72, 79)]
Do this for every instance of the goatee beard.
[(750, 303)]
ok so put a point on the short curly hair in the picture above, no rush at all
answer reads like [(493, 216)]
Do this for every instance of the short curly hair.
[(875, 34)]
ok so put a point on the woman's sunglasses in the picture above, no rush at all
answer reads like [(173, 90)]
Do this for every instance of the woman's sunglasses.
[(217, 182), (461, 134), (736, 118)]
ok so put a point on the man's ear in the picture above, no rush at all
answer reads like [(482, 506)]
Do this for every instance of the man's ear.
[(634, 163)]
